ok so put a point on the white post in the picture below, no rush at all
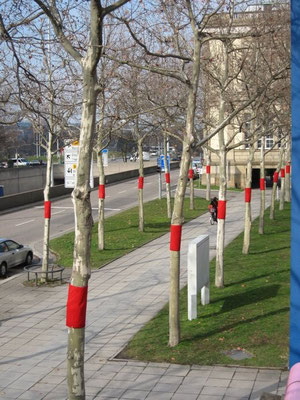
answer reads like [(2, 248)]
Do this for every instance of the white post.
[(159, 185), (198, 273)]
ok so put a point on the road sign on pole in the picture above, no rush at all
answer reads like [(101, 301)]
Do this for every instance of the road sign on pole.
[(71, 159), (162, 162), (104, 153)]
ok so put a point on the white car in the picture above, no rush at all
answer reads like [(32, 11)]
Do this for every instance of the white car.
[(12, 254), (19, 162)]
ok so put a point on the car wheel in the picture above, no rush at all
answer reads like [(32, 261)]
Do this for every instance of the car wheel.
[(29, 258), (3, 270)]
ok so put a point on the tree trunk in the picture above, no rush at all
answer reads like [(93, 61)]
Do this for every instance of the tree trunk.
[(177, 216), (208, 180), (83, 226), (219, 277), (282, 186), (141, 187), (192, 196), (248, 186), (101, 200), (47, 203), (167, 176), (287, 174), (262, 191), (275, 186)]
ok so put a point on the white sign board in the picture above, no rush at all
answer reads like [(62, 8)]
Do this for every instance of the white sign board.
[(198, 273), (71, 159), (105, 157)]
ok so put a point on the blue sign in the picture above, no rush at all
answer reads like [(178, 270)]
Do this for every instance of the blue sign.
[(295, 229), (162, 162)]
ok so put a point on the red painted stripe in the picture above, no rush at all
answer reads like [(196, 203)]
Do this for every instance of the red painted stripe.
[(175, 240), (141, 182), (208, 169), (47, 209), (262, 183), (76, 306), (221, 209), (287, 169), (247, 195), (167, 175), (275, 177), (101, 191), (191, 174), (282, 173)]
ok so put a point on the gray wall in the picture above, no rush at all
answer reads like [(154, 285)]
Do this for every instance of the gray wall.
[(35, 195)]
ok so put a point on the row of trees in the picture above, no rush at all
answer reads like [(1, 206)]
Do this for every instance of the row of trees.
[(197, 71)]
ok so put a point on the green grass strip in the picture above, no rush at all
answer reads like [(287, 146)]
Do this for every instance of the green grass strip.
[(121, 232), (198, 185), (251, 312)]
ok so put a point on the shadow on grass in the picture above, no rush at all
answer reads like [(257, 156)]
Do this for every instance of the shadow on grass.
[(270, 250), (276, 232), (254, 278), (234, 301), (224, 328)]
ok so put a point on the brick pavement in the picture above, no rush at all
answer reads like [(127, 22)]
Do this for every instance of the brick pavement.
[(123, 296)]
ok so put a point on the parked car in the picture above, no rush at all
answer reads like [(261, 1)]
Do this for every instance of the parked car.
[(3, 164), (34, 163), (12, 254), (18, 162)]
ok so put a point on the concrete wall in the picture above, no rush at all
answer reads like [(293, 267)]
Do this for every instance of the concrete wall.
[(22, 179), (32, 196)]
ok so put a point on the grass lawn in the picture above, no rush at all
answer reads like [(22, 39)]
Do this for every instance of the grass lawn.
[(198, 185), (251, 312), (121, 232)]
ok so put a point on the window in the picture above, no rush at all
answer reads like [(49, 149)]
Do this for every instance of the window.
[(269, 142), (12, 245)]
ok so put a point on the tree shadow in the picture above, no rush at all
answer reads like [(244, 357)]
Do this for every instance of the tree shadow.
[(246, 298), (234, 325), (255, 277), (270, 250)]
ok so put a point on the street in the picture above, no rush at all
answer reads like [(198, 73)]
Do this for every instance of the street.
[(26, 225)]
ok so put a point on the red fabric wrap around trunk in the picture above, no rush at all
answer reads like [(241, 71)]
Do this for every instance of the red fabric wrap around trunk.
[(275, 177), (282, 173), (141, 182), (262, 183), (101, 191), (76, 306), (221, 209), (247, 195), (208, 169), (167, 175), (191, 174), (287, 169), (175, 240), (47, 209)]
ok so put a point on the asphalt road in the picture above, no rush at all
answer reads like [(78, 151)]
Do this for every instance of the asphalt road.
[(26, 225)]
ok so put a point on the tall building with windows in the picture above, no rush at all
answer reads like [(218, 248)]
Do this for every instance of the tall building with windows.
[(256, 49)]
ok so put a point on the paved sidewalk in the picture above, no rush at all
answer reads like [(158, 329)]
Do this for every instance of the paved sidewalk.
[(123, 296)]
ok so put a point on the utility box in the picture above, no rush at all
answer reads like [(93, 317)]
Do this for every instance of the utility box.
[(1, 190), (198, 273)]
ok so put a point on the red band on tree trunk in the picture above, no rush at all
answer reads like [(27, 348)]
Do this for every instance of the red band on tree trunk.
[(247, 195), (141, 182), (275, 177), (221, 209), (175, 240), (208, 169), (262, 183), (167, 175), (282, 173), (288, 169), (47, 209), (191, 174), (76, 306), (101, 191)]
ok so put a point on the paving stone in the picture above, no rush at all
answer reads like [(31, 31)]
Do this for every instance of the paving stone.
[(165, 387), (213, 391), (135, 394), (217, 382), (159, 396)]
